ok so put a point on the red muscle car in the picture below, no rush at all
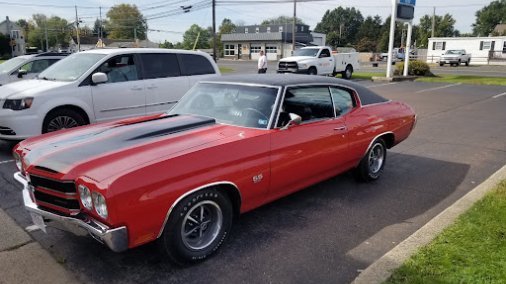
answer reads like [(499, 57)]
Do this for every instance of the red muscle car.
[(228, 146)]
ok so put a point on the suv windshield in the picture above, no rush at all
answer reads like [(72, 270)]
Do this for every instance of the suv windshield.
[(72, 67), (306, 52), (8, 65)]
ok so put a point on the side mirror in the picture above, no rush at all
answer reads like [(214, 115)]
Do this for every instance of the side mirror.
[(294, 120), (99, 78), (21, 73)]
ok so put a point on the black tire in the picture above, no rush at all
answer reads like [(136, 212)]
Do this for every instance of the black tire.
[(347, 73), (372, 164), (441, 64), (62, 119), (467, 62), (199, 242), (312, 71)]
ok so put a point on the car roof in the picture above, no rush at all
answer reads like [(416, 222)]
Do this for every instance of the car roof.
[(139, 50), (283, 80)]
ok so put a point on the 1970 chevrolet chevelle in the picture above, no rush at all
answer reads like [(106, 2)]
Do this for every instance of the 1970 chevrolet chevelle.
[(229, 145)]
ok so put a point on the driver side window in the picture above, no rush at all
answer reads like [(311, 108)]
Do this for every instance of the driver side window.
[(121, 68), (310, 103)]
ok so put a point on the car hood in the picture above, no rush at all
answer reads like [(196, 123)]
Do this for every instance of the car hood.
[(103, 150), (31, 88), (451, 55), (296, 58)]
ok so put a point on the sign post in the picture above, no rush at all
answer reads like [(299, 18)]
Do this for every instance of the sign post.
[(391, 39), (403, 11), (407, 50)]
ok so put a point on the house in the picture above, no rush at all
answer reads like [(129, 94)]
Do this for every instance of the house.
[(483, 50), (7, 28), (245, 42)]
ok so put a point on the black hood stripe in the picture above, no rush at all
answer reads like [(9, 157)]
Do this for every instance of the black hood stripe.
[(61, 154)]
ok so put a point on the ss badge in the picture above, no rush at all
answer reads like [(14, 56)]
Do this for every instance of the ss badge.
[(258, 178)]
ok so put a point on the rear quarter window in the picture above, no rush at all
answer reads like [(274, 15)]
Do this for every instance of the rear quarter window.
[(160, 65), (194, 64)]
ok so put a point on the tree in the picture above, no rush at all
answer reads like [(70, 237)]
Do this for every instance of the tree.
[(124, 21), (226, 27), (444, 27), (367, 36), (196, 34), (58, 32), (488, 17), (5, 48), (385, 35), (167, 44), (99, 29), (341, 26), (281, 20)]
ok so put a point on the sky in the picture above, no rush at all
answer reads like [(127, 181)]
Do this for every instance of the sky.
[(172, 27)]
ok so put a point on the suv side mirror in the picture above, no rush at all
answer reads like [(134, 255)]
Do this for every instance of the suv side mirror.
[(21, 73), (99, 78), (294, 120)]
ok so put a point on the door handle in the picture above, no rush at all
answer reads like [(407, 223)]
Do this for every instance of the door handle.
[(136, 88), (340, 128)]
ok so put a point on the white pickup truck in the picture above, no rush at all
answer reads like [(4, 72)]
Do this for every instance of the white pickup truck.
[(320, 60), (455, 57)]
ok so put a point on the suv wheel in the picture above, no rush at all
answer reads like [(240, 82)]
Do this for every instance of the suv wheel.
[(62, 119)]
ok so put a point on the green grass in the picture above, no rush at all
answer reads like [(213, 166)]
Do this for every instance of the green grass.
[(465, 79), (226, 69), (472, 250), (364, 75)]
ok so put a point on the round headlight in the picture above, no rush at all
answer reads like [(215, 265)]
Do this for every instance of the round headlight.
[(85, 195), (100, 205), (19, 164)]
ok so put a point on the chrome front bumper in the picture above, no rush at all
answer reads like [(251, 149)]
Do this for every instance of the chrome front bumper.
[(116, 239)]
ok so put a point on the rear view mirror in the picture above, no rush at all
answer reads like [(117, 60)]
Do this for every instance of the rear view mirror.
[(99, 78), (294, 120), (21, 73)]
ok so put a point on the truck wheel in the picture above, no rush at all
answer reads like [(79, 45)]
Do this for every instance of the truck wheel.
[(346, 74), (467, 62), (441, 64), (312, 71)]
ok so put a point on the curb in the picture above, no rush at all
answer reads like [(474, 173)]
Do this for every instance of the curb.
[(382, 268), (23, 260)]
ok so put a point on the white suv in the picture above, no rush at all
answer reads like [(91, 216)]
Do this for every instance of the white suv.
[(27, 66), (100, 85)]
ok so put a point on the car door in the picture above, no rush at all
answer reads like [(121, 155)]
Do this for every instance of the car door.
[(123, 94), (311, 151), (325, 61), (163, 81)]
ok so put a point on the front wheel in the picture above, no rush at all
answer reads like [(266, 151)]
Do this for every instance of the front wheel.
[(372, 164), (62, 119), (197, 227), (467, 62), (312, 71)]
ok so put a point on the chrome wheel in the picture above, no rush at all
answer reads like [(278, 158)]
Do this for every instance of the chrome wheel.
[(61, 122), (376, 158), (201, 225)]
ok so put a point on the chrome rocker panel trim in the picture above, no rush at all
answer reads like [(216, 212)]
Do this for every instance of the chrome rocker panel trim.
[(116, 239)]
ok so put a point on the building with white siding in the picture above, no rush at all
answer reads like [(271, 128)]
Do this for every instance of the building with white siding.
[(483, 50)]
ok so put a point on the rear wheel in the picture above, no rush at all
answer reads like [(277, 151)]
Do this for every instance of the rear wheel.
[(372, 164), (348, 72), (441, 64), (62, 119), (197, 227)]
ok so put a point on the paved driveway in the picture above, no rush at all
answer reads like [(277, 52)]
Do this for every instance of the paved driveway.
[(330, 231)]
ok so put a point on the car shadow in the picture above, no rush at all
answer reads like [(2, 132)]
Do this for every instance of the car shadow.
[(305, 237)]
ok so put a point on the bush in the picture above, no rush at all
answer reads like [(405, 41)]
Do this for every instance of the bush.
[(416, 67)]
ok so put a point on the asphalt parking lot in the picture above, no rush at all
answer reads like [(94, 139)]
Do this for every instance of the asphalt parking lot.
[(329, 232)]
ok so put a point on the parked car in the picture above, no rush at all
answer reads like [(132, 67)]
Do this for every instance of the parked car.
[(27, 66), (320, 60), (230, 145), (455, 57), (100, 85)]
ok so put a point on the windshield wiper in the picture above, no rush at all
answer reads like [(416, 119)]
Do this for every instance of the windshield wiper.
[(48, 79)]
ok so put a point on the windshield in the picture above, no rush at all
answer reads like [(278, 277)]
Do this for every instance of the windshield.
[(306, 52), (240, 105), (10, 64), (454, 52), (71, 68)]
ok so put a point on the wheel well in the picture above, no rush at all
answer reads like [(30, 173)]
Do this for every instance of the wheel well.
[(389, 139), (79, 110), (233, 194)]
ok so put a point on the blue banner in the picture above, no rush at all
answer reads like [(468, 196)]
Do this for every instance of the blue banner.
[(408, 2)]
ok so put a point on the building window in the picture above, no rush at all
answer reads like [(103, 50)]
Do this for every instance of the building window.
[(301, 28), (268, 29), (439, 45), (255, 48), (229, 49), (15, 34), (245, 30), (257, 30), (271, 49), (485, 45), (280, 29)]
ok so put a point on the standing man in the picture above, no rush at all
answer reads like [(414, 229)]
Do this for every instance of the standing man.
[(262, 63)]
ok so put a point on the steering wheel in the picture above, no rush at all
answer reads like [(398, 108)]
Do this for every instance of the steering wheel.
[(255, 116)]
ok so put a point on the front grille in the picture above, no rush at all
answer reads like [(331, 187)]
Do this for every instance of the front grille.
[(6, 131), (287, 65), (56, 195)]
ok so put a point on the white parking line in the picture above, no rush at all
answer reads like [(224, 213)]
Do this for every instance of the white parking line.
[(437, 88), (499, 95), (5, 162), (380, 85)]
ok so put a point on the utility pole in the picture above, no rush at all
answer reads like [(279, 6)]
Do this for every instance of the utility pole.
[(100, 27), (294, 27), (10, 35), (77, 32), (214, 30), (433, 21), (45, 33)]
